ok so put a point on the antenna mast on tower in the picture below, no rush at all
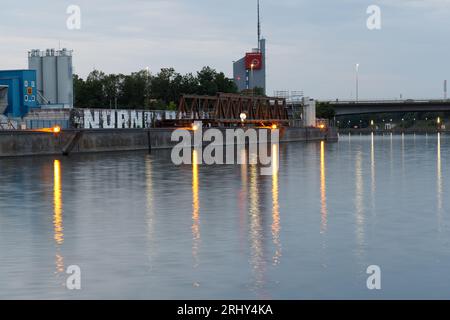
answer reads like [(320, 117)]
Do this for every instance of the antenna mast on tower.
[(259, 29)]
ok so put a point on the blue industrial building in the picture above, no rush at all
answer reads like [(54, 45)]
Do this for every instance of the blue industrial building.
[(22, 91)]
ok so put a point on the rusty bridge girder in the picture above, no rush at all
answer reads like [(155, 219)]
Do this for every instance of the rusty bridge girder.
[(227, 108)]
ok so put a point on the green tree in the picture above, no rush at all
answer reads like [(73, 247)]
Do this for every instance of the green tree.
[(207, 84), (80, 92), (325, 111), (162, 85), (133, 90), (144, 90), (225, 84), (95, 93), (189, 84)]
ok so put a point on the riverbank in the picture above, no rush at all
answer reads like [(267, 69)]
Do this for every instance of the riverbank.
[(34, 143), (394, 131)]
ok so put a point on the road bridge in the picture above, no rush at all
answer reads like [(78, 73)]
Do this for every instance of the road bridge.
[(344, 108)]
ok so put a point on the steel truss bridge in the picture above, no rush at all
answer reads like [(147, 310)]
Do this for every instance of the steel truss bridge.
[(226, 109)]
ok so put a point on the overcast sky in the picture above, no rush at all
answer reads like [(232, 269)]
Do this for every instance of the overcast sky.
[(313, 45)]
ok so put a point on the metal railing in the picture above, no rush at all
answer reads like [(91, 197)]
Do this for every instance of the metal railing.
[(375, 101), (7, 125)]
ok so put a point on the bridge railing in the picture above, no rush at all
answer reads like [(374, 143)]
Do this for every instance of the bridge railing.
[(374, 101)]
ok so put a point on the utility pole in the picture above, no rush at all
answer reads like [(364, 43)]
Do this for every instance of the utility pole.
[(259, 28), (445, 89), (357, 82)]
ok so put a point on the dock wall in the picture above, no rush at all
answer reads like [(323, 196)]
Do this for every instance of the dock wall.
[(28, 143)]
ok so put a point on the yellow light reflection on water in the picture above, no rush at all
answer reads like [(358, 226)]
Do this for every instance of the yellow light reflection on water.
[(243, 197), (323, 189), (439, 179), (58, 228), (256, 230), (59, 261), (373, 171), (57, 204), (195, 208), (276, 225)]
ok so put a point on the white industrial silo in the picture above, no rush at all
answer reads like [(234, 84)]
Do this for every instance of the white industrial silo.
[(35, 63), (54, 76), (65, 78), (49, 76)]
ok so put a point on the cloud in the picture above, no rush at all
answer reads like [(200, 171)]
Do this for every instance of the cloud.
[(433, 4), (311, 46)]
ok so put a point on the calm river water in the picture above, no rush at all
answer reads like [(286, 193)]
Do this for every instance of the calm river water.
[(142, 228)]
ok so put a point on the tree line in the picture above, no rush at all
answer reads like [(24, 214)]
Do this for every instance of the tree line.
[(143, 90)]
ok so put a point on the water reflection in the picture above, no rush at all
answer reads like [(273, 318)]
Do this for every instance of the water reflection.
[(243, 199), (195, 209), (68, 185), (58, 228), (373, 171), (439, 180), (256, 230), (276, 226), (323, 189), (359, 201), (403, 155), (150, 208), (391, 152)]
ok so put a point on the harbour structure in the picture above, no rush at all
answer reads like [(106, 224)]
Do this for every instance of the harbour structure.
[(309, 112), (231, 109), (3, 98), (54, 76), (249, 72), (46, 84), (42, 97), (19, 91)]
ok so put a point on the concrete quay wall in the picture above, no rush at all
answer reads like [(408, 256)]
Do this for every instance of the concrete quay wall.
[(29, 143)]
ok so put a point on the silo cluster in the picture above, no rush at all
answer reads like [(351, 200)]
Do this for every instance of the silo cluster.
[(54, 74)]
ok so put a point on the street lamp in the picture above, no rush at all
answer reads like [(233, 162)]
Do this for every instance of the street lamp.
[(439, 123), (252, 66)]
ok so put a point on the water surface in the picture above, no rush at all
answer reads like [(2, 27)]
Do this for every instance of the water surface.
[(142, 228)]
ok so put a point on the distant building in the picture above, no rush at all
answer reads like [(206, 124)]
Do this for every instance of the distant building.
[(250, 71), (18, 92), (54, 77)]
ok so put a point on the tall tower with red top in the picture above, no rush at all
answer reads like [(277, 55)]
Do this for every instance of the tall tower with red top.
[(250, 71)]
